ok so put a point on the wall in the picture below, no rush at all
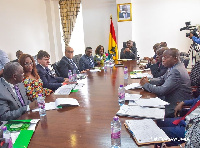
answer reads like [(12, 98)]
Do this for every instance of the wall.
[(30, 26), (96, 22)]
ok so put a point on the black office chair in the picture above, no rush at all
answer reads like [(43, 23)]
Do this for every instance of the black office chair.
[(55, 67)]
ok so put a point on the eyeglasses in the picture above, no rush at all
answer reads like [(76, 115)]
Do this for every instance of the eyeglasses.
[(28, 64), (70, 51)]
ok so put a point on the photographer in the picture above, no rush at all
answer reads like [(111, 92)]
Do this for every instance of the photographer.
[(195, 39)]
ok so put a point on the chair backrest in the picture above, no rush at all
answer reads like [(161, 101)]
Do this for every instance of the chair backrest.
[(55, 67), (124, 44), (76, 59)]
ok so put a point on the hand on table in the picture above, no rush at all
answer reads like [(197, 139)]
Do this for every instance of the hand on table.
[(33, 105), (144, 80)]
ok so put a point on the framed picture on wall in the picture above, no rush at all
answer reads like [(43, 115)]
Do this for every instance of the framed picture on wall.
[(124, 12)]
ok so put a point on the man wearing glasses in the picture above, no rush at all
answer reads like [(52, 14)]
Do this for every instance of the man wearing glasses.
[(86, 62), (67, 63), (174, 86)]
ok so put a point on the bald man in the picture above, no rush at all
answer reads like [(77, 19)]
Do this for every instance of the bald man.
[(66, 63)]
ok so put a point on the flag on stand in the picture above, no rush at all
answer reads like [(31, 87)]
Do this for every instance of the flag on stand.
[(112, 47)]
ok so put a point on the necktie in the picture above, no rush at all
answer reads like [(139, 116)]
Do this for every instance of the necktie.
[(91, 62), (19, 95), (48, 71), (193, 108)]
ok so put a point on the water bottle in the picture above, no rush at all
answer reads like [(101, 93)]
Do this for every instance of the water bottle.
[(115, 133), (70, 75), (6, 134), (105, 66), (121, 95), (41, 105), (125, 73), (74, 75)]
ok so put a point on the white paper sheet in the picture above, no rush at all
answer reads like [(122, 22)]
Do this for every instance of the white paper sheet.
[(133, 86), (133, 97)]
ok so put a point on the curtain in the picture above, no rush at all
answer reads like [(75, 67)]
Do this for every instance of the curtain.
[(68, 12)]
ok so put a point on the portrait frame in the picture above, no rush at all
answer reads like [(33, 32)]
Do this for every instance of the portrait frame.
[(124, 12)]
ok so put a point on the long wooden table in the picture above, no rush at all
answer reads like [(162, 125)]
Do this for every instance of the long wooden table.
[(87, 126)]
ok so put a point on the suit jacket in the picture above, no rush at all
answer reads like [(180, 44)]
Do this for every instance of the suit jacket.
[(174, 86), (48, 80), (128, 55), (158, 69), (64, 66), (10, 106), (84, 63)]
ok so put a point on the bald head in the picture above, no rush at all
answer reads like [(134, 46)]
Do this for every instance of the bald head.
[(69, 52)]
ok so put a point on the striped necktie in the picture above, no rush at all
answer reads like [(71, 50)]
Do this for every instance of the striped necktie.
[(91, 62), (19, 95)]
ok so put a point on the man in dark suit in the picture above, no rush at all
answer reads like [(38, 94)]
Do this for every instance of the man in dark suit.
[(129, 52), (49, 81), (13, 99), (174, 86), (67, 63), (86, 62)]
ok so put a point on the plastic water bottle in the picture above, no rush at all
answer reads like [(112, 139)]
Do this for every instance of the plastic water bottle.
[(41, 105), (6, 134), (70, 76), (105, 66), (74, 75), (125, 73), (115, 133), (121, 95)]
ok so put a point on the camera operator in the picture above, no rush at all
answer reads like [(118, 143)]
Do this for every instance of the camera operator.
[(194, 38)]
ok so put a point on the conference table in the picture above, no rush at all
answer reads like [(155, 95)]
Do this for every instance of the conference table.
[(87, 125)]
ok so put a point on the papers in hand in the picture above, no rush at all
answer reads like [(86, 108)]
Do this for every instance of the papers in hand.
[(133, 86), (152, 102), (59, 102), (65, 89), (146, 131), (140, 75), (141, 112)]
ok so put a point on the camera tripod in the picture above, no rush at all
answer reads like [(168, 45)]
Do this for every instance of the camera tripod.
[(194, 49)]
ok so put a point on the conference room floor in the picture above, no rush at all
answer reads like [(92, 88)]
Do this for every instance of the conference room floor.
[(88, 125)]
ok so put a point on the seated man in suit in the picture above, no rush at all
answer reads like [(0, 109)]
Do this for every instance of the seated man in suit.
[(129, 52), (3, 60), (86, 62), (49, 81), (67, 63), (13, 99), (18, 54), (174, 86), (156, 67)]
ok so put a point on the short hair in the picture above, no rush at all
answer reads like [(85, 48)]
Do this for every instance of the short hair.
[(18, 51), (174, 52), (42, 54), (163, 44), (87, 48), (67, 47), (97, 51), (161, 50), (156, 46), (10, 69)]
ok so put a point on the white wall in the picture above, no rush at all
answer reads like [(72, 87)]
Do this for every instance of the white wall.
[(96, 22), (30, 26)]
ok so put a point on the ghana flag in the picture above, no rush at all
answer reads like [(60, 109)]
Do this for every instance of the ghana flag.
[(112, 47)]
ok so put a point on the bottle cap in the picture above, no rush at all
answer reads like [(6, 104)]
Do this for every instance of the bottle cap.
[(115, 118), (4, 128), (39, 95), (121, 86)]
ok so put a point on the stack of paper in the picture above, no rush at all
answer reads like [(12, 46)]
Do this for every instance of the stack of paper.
[(146, 131), (141, 112), (95, 70), (152, 102), (140, 75), (65, 89), (133, 86), (133, 97), (59, 102)]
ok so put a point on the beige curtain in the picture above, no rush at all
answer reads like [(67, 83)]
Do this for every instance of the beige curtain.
[(68, 11)]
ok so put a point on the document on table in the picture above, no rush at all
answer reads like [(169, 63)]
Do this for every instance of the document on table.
[(140, 75), (146, 131), (152, 102), (95, 70), (65, 89), (133, 97), (141, 112), (59, 102), (133, 86)]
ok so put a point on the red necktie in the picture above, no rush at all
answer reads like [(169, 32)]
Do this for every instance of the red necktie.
[(193, 108)]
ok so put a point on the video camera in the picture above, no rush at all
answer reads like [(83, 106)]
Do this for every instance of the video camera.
[(192, 29)]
